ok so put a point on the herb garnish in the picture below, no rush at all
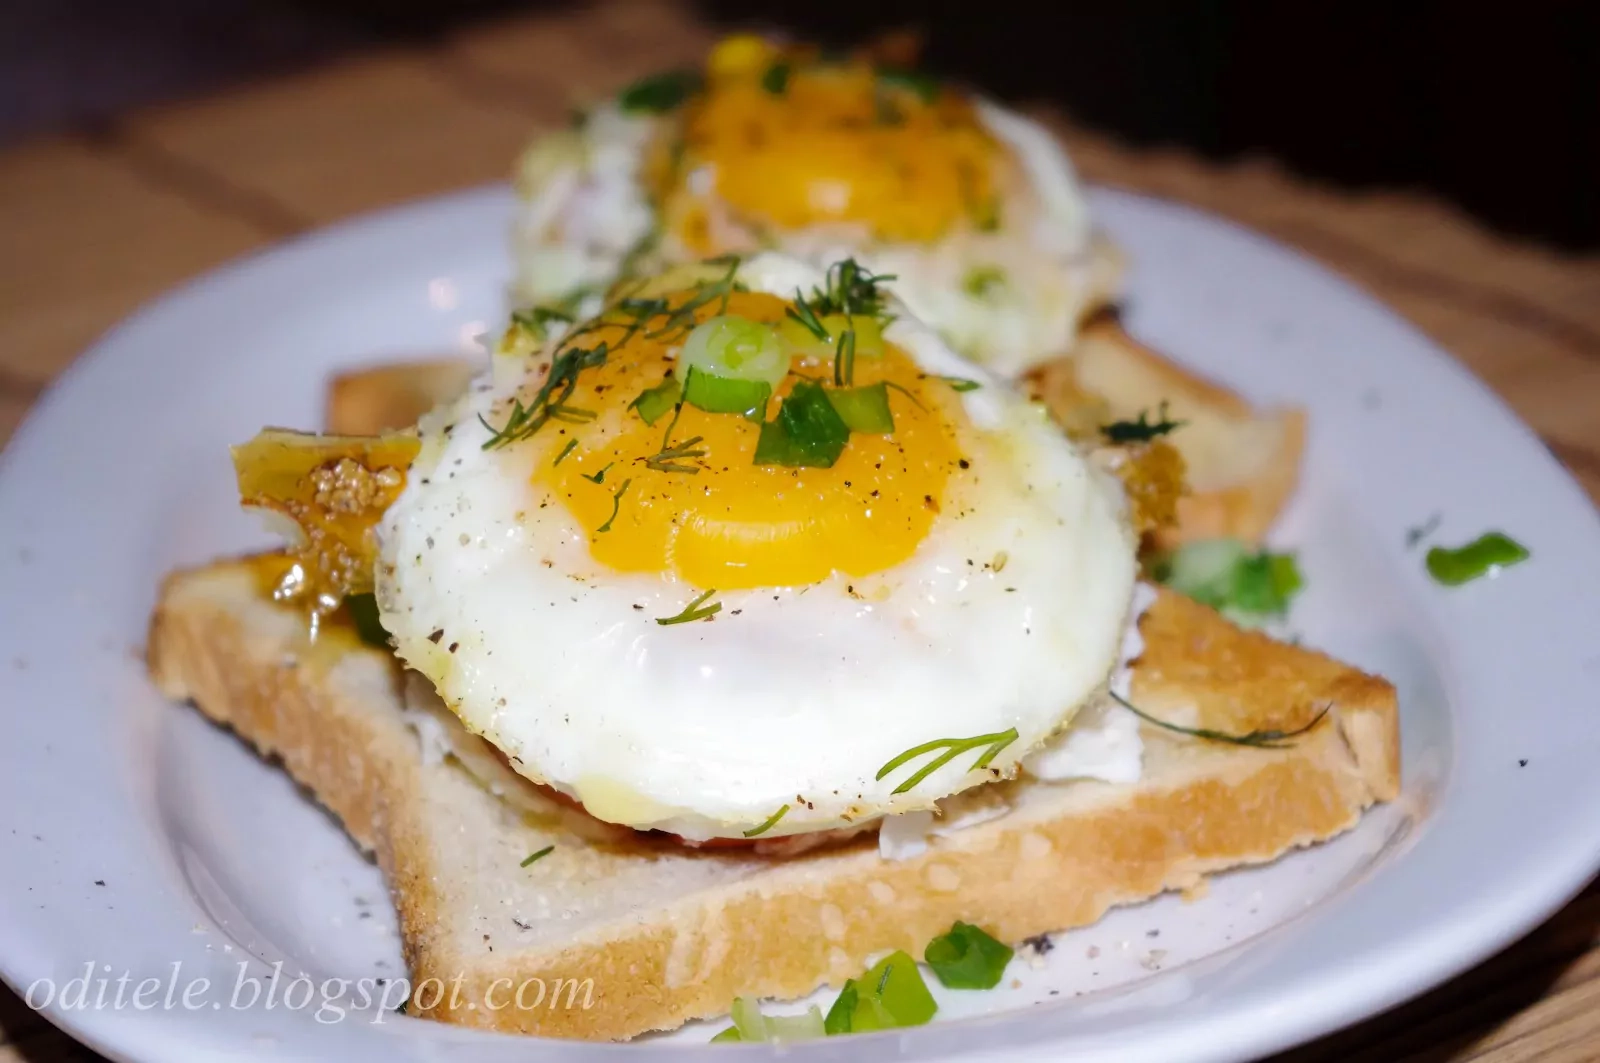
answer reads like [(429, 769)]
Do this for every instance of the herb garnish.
[(653, 402), (1484, 556), (767, 824), (850, 290), (960, 383), (549, 403), (540, 855), (698, 610), (953, 747), (1268, 739), (967, 958), (537, 319), (844, 359), (808, 431), (983, 281), (1142, 430), (659, 93), (1421, 531), (363, 611), (1246, 585), (572, 444), (776, 79), (616, 507), (924, 86), (668, 458), (598, 477)]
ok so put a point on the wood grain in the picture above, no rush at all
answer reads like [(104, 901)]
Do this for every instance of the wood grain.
[(94, 224)]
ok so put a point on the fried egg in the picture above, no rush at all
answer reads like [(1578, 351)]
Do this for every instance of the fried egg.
[(974, 209), (644, 609)]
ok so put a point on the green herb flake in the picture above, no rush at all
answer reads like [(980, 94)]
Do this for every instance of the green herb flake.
[(890, 995), (536, 320), (842, 1012), (730, 1034), (540, 855), (1484, 556), (958, 383), (550, 401), (659, 93), (599, 476), (924, 86), (808, 431), (698, 610), (992, 744), (1246, 585), (363, 612), (572, 444), (653, 403), (1141, 430), (616, 507), (767, 824), (1260, 739), (844, 358), (864, 409), (967, 958), (776, 79)]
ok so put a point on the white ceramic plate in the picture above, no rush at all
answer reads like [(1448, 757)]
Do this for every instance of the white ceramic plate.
[(135, 837)]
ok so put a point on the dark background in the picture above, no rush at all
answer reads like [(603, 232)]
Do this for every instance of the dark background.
[(1493, 105)]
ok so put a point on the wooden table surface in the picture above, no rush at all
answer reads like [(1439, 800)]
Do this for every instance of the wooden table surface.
[(96, 222)]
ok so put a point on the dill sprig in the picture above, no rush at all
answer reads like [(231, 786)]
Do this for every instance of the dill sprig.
[(683, 317), (695, 610), (801, 311), (1264, 739), (851, 290), (616, 506), (670, 458), (540, 855), (844, 359), (953, 747), (550, 402), (572, 444), (599, 476), (1141, 430), (767, 824)]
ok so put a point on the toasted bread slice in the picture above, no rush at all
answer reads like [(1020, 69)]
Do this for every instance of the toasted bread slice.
[(385, 398), (651, 934), (1243, 463)]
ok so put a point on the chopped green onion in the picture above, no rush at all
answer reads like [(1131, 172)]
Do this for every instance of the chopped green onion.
[(890, 995), (717, 394), (924, 86), (363, 610), (540, 855), (959, 383), (734, 348), (864, 409), (1247, 586), (659, 93), (1142, 430), (1484, 556), (768, 823), (840, 1015), (776, 79), (653, 403), (807, 432), (967, 958), (754, 1026), (695, 610), (572, 444), (818, 336), (730, 1034)]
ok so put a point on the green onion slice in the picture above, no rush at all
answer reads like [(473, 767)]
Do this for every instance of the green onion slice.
[(805, 332), (659, 93), (776, 79), (1246, 585), (730, 1034), (1484, 556), (718, 394), (864, 409), (967, 958), (733, 348), (808, 431), (754, 1026), (653, 403), (890, 995)]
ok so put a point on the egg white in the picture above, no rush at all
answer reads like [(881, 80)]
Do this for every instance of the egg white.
[(584, 209), (1009, 614)]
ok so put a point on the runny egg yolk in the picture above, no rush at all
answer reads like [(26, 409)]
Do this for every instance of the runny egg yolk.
[(794, 144), (731, 523)]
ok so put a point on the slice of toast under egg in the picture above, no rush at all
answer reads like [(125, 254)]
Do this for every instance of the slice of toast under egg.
[(656, 934)]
